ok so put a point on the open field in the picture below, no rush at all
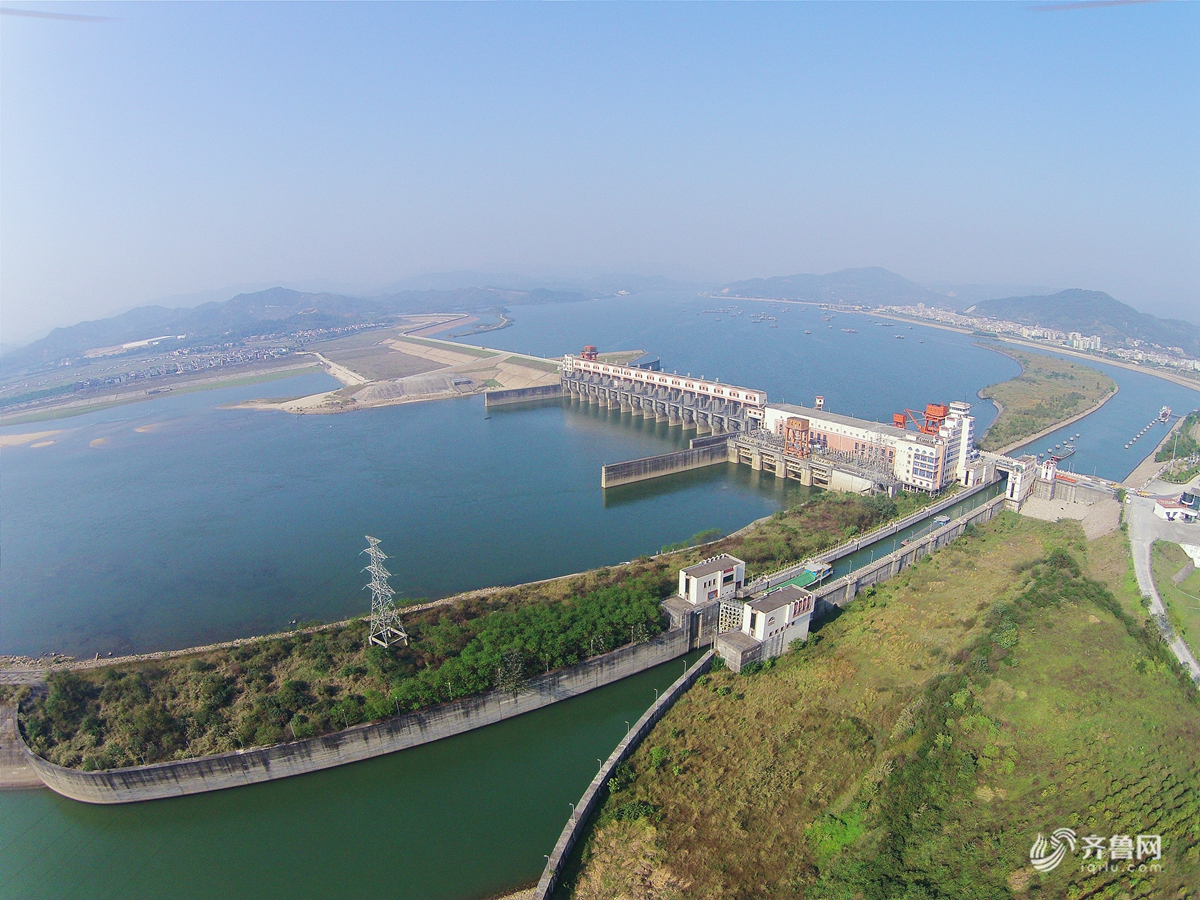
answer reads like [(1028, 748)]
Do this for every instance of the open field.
[(319, 681), (379, 362), (1048, 392), (920, 742), (463, 349), (1181, 600)]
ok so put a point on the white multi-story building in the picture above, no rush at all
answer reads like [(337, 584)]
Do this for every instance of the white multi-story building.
[(928, 459), (712, 579), (778, 618)]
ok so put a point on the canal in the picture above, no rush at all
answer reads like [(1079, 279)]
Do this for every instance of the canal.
[(465, 817)]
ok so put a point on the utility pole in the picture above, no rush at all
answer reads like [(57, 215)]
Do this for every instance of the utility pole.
[(385, 618)]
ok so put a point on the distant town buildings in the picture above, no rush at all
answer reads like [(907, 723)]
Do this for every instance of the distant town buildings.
[(1134, 351)]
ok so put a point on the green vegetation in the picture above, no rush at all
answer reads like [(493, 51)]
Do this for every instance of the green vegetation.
[(916, 746), (274, 689), (313, 683), (1181, 600), (795, 534), (700, 537), (43, 394), (1049, 390), (1184, 445), (540, 365)]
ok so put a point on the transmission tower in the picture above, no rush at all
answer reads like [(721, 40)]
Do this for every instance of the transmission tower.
[(385, 618)]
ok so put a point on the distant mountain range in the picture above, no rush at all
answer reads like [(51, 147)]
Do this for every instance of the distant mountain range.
[(1093, 312), (284, 310), (266, 312), (1088, 312)]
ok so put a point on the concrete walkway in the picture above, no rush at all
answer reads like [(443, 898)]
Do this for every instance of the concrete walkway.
[(1144, 529), (15, 771)]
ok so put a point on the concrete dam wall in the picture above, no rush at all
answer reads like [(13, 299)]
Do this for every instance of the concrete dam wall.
[(522, 395), (665, 464), (226, 770)]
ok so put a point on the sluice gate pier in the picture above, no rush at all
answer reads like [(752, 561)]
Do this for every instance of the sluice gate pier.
[(708, 406)]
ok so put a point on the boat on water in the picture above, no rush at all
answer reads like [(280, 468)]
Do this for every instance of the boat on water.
[(920, 340), (898, 337), (1164, 414), (1067, 450), (806, 331), (850, 330)]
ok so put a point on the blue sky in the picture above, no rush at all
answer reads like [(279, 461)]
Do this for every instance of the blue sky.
[(186, 147)]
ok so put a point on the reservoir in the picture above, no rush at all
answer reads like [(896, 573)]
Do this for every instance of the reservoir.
[(191, 523)]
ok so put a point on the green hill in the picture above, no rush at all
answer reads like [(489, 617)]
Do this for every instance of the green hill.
[(1007, 686), (1093, 312)]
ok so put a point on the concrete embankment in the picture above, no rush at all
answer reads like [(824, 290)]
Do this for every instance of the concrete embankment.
[(522, 395), (842, 590), (15, 770), (1147, 470), (763, 582), (226, 770), (648, 467), (595, 791)]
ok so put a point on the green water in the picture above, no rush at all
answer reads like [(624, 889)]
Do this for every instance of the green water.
[(468, 816)]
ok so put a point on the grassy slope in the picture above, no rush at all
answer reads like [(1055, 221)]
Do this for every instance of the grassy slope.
[(1047, 391), (1182, 602), (809, 780), (226, 699)]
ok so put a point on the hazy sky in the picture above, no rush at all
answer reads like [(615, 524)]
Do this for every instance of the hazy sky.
[(185, 147)]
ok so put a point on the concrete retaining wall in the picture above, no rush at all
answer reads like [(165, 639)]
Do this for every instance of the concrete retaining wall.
[(708, 440), (595, 791), (763, 582), (843, 590), (226, 770), (665, 464), (522, 395)]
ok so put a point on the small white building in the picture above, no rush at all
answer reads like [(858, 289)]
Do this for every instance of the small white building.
[(778, 618), (715, 578), (1174, 511)]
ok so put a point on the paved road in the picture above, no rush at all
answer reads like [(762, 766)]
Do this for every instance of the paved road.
[(1144, 529)]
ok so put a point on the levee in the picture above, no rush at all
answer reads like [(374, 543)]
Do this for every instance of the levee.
[(244, 767), (648, 467)]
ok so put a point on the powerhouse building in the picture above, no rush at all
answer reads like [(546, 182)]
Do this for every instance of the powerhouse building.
[(938, 451)]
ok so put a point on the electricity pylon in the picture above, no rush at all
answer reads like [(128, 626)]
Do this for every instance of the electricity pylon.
[(385, 618)]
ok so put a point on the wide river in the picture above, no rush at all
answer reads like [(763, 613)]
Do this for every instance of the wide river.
[(177, 521)]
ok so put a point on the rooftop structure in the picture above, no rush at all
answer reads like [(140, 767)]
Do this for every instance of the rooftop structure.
[(712, 579), (1174, 511)]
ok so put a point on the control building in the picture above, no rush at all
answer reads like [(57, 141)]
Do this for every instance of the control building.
[(938, 452), (713, 579)]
